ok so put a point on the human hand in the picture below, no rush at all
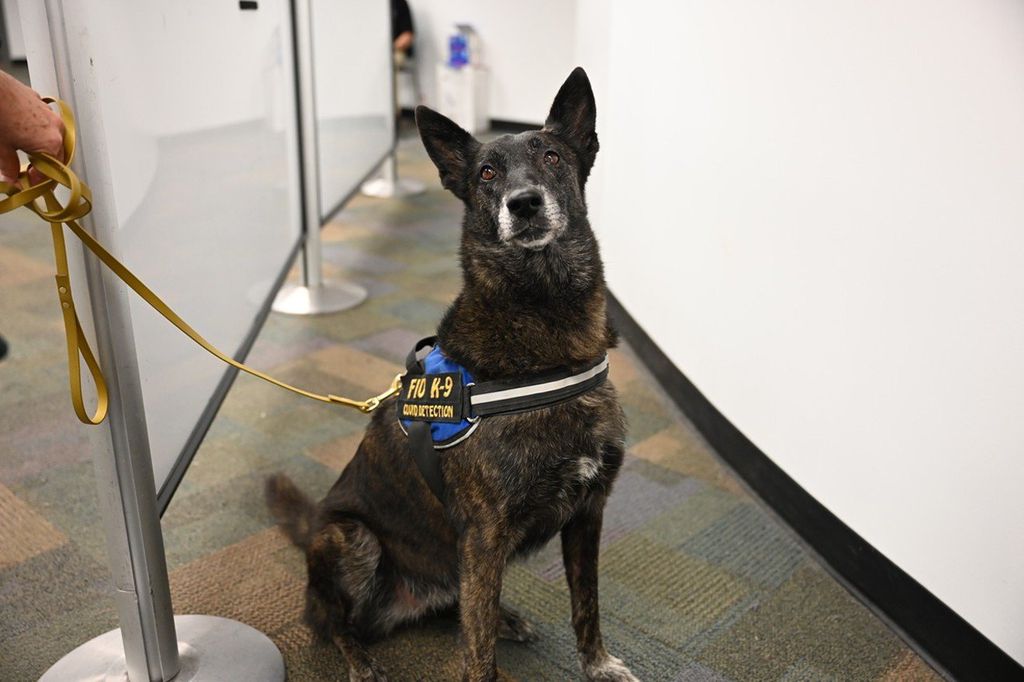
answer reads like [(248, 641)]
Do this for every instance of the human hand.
[(28, 124)]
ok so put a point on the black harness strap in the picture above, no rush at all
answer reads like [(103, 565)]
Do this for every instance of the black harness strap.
[(414, 364), (428, 460), (420, 443)]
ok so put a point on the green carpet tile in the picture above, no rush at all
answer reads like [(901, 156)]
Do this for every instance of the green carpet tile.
[(697, 581)]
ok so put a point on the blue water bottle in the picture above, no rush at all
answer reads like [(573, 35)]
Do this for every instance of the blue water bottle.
[(458, 51)]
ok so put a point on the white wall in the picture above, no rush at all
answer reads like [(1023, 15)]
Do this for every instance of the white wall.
[(529, 47), (252, 42), (817, 211)]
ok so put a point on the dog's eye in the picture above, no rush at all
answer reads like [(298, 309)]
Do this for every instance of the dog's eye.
[(487, 173), (551, 158)]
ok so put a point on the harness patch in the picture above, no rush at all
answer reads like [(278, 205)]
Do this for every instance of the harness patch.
[(433, 398), (434, 391)]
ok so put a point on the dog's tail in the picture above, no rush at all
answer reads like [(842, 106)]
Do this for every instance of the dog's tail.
[(291, 508)]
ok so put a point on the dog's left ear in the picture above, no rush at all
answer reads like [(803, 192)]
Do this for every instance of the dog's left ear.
[(573, 118)]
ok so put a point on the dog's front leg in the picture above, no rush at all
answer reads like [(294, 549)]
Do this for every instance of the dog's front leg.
[(581, 539), (482, 562)]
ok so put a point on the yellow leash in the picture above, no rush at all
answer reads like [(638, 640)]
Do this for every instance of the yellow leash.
[(79, 204)]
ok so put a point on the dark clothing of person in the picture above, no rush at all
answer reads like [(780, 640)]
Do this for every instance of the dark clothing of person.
[(401, 21)]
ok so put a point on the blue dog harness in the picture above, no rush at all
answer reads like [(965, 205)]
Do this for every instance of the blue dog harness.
[(435, 395), (440, 405)]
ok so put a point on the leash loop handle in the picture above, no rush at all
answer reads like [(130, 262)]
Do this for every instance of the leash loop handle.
[(78, 204)]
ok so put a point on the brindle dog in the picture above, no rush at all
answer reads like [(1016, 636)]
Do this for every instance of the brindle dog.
[(381, 548)]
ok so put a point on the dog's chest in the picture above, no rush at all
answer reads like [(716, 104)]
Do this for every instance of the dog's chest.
[(557, 460), (556, 499)]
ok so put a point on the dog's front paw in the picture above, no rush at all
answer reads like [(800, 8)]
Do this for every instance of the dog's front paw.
[(372, 672), (607, 669), (514, 627)]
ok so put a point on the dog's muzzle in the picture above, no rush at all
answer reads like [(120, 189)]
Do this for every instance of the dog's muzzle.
[(530, 217)]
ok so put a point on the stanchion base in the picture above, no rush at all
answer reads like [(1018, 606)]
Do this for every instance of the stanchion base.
[(387, 188), (212, 649), (329, 297)]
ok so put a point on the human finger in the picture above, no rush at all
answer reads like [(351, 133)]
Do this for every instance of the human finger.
[(10, 164)]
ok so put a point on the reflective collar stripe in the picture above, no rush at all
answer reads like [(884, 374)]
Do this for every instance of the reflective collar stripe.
[(537, 389)]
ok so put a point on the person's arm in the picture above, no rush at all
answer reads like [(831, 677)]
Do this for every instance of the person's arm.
[(404, 41), (26, 123)]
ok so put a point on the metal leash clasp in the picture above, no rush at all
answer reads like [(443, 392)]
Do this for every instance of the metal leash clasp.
[(370, 404)]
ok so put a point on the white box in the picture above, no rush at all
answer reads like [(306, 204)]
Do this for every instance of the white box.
[(462, 96)]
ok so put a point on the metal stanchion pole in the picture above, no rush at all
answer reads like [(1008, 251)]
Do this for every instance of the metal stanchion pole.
[(148, 647), (151, 644), (5, 49), (315, 295), (388, 184)]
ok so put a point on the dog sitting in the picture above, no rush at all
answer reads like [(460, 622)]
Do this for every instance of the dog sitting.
[(382, 548)]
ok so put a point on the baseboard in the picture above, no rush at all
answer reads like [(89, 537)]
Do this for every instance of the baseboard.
[(927, 624)]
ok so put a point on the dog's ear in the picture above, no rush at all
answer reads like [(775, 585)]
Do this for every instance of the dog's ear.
[(450, 148), (573, 117)]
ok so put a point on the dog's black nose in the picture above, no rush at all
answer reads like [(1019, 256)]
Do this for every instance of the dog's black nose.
[(525, 203)]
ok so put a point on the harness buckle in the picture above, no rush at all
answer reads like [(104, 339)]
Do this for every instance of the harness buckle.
[(469, 403)]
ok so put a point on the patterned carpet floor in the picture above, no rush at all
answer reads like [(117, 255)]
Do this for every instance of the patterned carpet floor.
[(697, 581)]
